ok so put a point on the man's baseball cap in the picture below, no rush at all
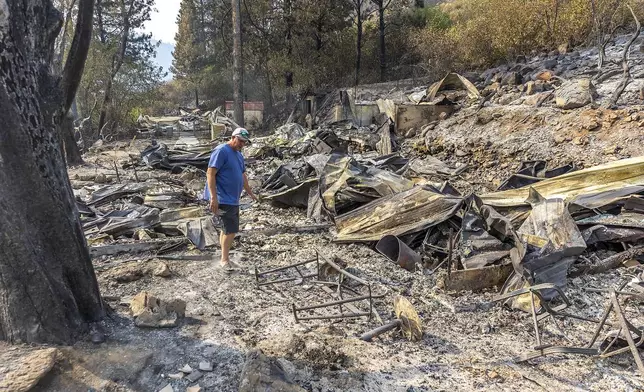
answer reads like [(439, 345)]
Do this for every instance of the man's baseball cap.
[(242, 133)]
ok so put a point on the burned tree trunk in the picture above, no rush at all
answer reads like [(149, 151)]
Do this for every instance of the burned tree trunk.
[(383, 54), (117, 62), (238, 67), (48, 290), (358, 45), (72, 152)]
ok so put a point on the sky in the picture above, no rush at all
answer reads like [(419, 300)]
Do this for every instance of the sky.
[(163, 26), (163, 22)]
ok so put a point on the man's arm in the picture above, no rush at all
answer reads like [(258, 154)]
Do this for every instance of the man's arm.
[(211, 178), (247, 187)]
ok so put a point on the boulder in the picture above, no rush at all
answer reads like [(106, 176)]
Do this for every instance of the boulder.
[(550, 64), (32, 367), (511, 79), (575, 94), (533, 100), (545, 75)]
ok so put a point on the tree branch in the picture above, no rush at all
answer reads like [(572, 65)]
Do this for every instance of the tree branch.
[(625, 56), (75, 63)]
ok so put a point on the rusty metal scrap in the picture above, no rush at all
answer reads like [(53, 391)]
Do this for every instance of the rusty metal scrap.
[(603, 178), (452, 81), (346, 184), (553, 240), (406, 212), (397, 251), (607, 347)]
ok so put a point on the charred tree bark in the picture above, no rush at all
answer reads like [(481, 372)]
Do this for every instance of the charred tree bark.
[(72, 152), (238, 69), (383, 54), (358, 44), (382, 7), (48, 290)]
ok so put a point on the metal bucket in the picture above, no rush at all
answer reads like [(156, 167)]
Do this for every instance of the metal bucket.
[(396, 250)]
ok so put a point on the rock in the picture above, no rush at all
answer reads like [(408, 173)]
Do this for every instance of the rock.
[(162, 270), (186, 369), (152, 312), (194, 376), (550, 64), (261, 373), (529, 88), (167, 388), (508, 98), (97, 337), (559, 139), (127, 274), (491, 88), (580, 140), (511, 79), (205, 366), (176, 376), (545, 75), (611, 150), (533, 100), (588, 122), (461, 153), (575, 94), (195, 388), (32, 368), (100, 178)]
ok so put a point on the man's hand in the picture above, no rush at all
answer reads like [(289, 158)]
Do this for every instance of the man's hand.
[(214, 205)]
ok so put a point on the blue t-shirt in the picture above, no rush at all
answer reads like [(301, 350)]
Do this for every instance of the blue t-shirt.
[(230, 167)]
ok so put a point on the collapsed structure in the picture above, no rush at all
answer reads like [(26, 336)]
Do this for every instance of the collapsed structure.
[(356, 175)]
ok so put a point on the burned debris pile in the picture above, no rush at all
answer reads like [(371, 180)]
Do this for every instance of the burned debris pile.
[(541, 227), (353, 174)]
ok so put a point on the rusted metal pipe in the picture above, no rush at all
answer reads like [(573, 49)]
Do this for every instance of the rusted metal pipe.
[(396, 250)]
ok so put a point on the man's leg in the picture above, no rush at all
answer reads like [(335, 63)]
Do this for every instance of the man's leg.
[(225, 240), (230, 219)]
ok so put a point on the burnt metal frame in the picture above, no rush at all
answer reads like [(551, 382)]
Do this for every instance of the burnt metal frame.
[(547, 311), (339, 292), (295, 266)]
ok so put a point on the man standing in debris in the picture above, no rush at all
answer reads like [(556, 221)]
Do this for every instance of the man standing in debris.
[(226, 177)]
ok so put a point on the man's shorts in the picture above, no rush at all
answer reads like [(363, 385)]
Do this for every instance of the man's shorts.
[(229, 216)]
